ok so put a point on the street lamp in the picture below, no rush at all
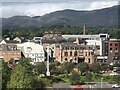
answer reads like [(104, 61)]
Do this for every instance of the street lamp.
[(48, 72), (101, 82)]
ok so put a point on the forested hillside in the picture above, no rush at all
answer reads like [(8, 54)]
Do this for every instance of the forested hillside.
[(30, 33)]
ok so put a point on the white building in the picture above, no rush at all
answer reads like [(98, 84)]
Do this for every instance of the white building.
[(2, 42), (37, 40), (17, 39), (33, 51)]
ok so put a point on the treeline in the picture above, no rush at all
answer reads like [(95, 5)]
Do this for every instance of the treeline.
[(30, 33)]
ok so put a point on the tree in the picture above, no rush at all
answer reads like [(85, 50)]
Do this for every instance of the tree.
[(20, 78), (40, 68), (95, 67), (83, 67), (68, 67), (6, 72), (75, 77), (25, 62)]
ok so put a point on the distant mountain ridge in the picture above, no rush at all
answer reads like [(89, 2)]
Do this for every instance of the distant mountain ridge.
[(107, 17)]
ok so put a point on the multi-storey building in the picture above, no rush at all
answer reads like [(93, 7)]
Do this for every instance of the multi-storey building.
[(100, 43), (10, 51), (114, 50), (74, 52)]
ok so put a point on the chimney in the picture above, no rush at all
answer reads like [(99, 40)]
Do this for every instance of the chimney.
[(84, 30)]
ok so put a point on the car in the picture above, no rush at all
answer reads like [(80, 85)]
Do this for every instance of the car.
[(115, 86)]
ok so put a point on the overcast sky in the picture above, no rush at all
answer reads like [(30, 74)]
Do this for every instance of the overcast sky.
[(40, 7)]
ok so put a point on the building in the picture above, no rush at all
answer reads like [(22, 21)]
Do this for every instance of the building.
[(114, 50), (74, 52), (17, 39), (52, 50), (33, 51), (52, 37), (37, 40), (10, 51), (100, 43)]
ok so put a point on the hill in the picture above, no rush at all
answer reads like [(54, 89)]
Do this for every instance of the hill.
[(107, 17)]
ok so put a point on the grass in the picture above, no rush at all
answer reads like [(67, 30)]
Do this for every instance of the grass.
[(66, 78)]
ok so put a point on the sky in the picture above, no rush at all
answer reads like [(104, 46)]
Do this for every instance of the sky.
[(9, 8)]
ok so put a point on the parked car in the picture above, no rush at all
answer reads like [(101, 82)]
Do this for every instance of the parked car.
[(115, 86)]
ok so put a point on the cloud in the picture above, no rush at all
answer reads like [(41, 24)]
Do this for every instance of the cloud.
[(102, 4), (37, 9)]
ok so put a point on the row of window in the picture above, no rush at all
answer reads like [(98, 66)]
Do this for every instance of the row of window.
[(78, 53), (37, 60), (116, 49), (75, 48), (40, 54), (12, 53), (111, 44), (88, 60)]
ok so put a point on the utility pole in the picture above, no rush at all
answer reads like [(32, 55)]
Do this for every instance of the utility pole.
[(48, 72), (101, 82)]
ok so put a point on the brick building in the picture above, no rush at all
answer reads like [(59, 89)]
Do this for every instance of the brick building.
[(114, 50), (74, 52), (10, 51)]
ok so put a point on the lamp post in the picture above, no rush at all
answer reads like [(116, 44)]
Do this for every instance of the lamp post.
[(101, 82), (48, 72)]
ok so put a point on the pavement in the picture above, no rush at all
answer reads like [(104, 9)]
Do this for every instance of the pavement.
[(91, 86), (61, 85), (99, 85)]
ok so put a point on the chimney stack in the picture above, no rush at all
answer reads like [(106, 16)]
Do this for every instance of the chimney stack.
[(84, 30)]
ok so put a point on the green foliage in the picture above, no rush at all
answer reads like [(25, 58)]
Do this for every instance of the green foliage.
[(95, 67), (20, 78), (88, 77), (75, 77), (83, 67), (40, 68), (116, 79), (6, 72), (25, 62), (30, 33), (68, 67)]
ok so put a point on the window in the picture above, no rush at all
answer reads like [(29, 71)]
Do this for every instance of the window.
[(66, 53), (89, 48), (116, 44), (71, 53), (85, 53), (110, 49), (75, 53), (116, 49), (65, 59), (80, 53), (88, 60), (75, 59), (92, 53), (89, 53), (110, 44), (66, 48), (75, 48)]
